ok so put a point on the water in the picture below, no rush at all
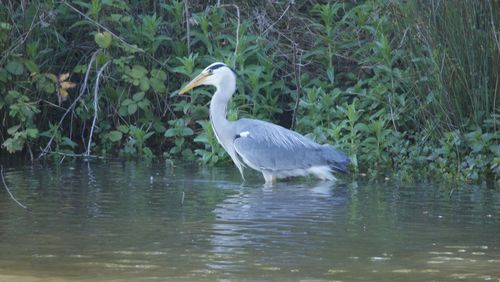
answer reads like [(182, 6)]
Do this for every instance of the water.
[(129, 221)]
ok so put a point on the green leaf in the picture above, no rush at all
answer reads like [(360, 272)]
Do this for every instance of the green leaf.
[(147, 135), (138, 72), (103, 39), (68, 142), (186, 131), (5, 26), (158, 127), (15, 68), (138, 96), (115, 17), (132, 108), (361, 127), (123, 128), (13, 129), (144, 84), (147, 152), (158, 74), (131, 48), (12, 145), (179, 142), (143, 104), (80, 69), (157, 85), (477, 147), (170, 132), (331, 74), (31, 66), (202, 138), (123, 111), (4, 76), (32, 133), (115, 136), (127, 102), (102, 57)]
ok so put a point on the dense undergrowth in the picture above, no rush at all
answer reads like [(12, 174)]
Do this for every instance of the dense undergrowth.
[(406, 88)]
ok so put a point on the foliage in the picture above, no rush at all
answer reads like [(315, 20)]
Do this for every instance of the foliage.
[(397, 85)]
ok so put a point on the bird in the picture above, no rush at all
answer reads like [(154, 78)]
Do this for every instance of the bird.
[(271, 149)]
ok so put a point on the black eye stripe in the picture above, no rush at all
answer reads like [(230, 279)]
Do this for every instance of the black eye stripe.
[(214, 67)]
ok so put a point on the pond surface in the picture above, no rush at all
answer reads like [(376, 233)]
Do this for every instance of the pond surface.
[(130, 221)]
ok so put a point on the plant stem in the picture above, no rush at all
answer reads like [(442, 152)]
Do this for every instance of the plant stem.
[(96, 91)]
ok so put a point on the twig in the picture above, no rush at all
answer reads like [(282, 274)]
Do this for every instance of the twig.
[(270, 27), (8, 191), (188, 28), (495, 106), (101, 26), (77, 155), (162, 64), (70, 108), (96, 91), (86, 79), (84, 87), (52, 104), (237, 27), (21, 40), (493, 27), (283, 14), (182, 198), (298, 85), (401, 42)]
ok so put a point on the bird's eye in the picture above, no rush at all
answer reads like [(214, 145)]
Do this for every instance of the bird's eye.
[(210, 72)]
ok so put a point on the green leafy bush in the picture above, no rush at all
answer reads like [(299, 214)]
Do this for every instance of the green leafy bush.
[(396, 85)]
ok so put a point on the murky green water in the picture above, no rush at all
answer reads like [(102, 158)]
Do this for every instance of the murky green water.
[(125, 221)]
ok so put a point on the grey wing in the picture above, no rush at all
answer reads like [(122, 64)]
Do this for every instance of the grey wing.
[(266, 146)]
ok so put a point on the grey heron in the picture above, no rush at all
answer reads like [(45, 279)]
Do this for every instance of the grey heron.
[(271, 149)]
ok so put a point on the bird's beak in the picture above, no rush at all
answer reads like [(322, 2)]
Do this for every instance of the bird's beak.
[(195, 82)]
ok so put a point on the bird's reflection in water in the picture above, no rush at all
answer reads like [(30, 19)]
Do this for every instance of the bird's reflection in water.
[(271, 222)]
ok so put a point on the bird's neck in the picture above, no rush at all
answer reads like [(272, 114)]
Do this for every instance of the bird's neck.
[(224, 129), (218, 111), (218, 104)]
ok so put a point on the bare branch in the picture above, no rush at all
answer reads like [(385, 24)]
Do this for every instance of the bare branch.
[(271, 25), (297, 69), (71, 107), (237, 27), (96, 91), (188, 27), (8, 190)]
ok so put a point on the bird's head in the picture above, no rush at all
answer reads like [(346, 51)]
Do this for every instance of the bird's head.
[(216, 74)]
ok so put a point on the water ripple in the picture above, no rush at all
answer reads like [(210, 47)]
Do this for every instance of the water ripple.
[(133, 221)]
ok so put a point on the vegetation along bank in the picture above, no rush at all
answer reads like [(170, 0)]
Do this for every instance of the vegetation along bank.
[(406, 88)]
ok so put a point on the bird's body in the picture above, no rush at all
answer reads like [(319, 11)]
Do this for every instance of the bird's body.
[(275, 151)]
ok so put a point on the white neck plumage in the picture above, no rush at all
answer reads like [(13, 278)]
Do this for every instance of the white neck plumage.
[(223, 128)]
